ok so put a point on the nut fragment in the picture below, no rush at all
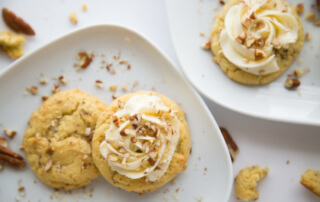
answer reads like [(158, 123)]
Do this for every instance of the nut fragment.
[(16, 23), (259, 54), (44, 98), (308, 36), (99, 84), (21, 191), (153, 153), (3, 142), (292, 83), (221, 2), (55, 89), (33, 90), (241, 38), (232, 146), (120, 104), (318, 3), (206, 45), (62, 79), (133, 139), (300, 8), (50, 150), (115, 120), (299, 73), (43, 81), (11, 158), (9, 133), (48, 165), (73, 18), (85, 59)]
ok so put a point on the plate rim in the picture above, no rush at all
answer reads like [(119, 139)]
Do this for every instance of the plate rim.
[(173, 68), (220, 102)]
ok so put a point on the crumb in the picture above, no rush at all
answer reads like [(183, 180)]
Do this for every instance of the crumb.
[(206, 45), (84, 7), (33, 90), (103, 61), (21, 147), (9, 133), (287, 162), (12, 44), (198, 198), (246, 182), (176, 197), (134, 85), (44, 98), (196, 167), (22, 191), (55, 89), (25, 93), (300, 8), (62, 80), (173, 181), (221, 2), (73, 18), (310, 16), (3, 142), (128, 66), (308, 36), (202, 34), (99, 84), (1, 168), (127, 39), (214, 59), (298, 73), (311, 180), (43, 81), (300, 61), (113, 88), (124, 88), (123, 62)]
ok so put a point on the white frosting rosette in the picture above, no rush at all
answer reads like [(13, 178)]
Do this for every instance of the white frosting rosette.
[(142, 138), (253, 30)]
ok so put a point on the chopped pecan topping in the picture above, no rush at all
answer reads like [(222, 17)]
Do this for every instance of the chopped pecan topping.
[(3, 142), (9, 133), (85, 59), (99, 84)]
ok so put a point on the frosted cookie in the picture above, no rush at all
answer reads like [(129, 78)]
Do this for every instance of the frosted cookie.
[(255, 41), (246, 182), (311, 180), (57, 140), (141, 142)]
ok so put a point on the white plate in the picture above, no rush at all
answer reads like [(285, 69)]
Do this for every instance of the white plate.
[(188, 18), (151, 68)]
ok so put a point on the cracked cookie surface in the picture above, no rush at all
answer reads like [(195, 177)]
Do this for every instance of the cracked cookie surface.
[(284, 56), (141, 186), (58, 139)]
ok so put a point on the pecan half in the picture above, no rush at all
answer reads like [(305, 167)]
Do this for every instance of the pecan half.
[(232, 146), (16, 23), (11, 158)]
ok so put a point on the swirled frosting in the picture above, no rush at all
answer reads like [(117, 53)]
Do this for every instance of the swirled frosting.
[(253, 30), (142, 138)]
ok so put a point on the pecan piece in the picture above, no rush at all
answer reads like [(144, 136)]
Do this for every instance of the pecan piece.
[(232, 146), (11, 158), (16, 23)]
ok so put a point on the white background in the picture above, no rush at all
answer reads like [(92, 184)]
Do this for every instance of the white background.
[(262, 142)]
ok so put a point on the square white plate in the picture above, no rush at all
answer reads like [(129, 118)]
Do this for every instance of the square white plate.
[(152, 69), (272, 101)]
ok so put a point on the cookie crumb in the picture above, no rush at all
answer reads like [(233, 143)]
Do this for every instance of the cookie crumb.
[(113, 88), (33, 90), (62, 80), (73, 18), (84, 7), (246, 182), (287, 162), (206, 45), (44, 97), (308, 36), (22, 191), (310, 16), (311, 180)]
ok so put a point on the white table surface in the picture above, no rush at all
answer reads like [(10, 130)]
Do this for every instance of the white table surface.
[(261, 142)]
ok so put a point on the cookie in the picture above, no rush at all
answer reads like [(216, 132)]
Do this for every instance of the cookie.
[(246, 182), (141, 142), (57, 140), (284, 56), (311, 180)]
